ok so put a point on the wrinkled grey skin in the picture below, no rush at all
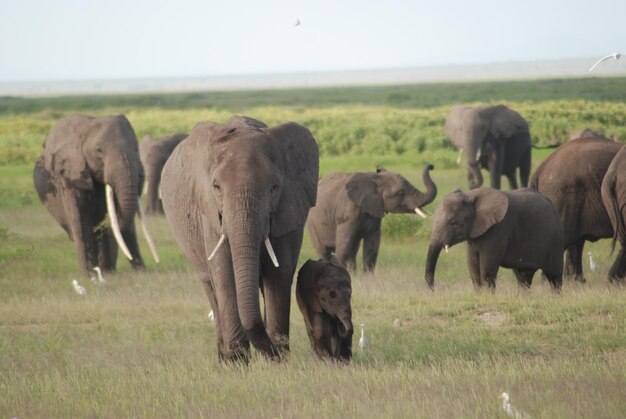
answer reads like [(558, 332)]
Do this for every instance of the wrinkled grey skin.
[(501, 136), (613, 192), (350, 208), (247, 182), (571, 178), (81, 154), (323, 293), (154, 152), (518, 230)]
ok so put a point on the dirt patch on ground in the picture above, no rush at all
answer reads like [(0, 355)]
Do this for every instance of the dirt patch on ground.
[(491, 318)]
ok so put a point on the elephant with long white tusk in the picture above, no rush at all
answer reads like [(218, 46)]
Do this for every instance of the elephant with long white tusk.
[(89, 168), (236, 196)]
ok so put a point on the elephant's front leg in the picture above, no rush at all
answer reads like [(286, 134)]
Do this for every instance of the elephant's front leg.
[(473, 264), (81, 225), (496, 165), (371, 244), (322, 335), (489, 265), (276, 285), (347, 244), (617, 273)]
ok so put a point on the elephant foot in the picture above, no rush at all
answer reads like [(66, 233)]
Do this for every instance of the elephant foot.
[(238, 353), (137, 264)]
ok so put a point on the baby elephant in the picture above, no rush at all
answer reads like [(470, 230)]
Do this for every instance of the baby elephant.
[(520, 230), (323, 293)]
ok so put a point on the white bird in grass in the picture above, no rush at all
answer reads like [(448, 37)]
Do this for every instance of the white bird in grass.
[(592, 263), (363, 340), (100, 278), (211, 315), (511, 410), (615, 55), (80, 290)]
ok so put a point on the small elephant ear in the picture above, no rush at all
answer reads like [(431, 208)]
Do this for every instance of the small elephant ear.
[(301, 172), (363, 191), (307, 276), (491, 206)]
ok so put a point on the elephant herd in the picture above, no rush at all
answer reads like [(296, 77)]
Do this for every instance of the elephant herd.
[(239, 195)]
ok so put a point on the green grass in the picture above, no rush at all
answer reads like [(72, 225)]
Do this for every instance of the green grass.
[(142, 345)]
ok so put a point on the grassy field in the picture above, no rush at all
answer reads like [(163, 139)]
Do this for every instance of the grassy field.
[(142, 345)]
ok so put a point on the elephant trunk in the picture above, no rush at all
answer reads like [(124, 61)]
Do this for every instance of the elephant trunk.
[(124, 181), (431, 189), (431, 264), (152, 194), (474, 176), (344, 325), (245, 238)]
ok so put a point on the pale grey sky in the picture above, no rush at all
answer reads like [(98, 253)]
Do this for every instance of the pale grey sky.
[(86, 39)]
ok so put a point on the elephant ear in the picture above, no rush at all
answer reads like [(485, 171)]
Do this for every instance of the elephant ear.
[(64, 157), (506, 122), (301, 171), (307, 278), (363, 191), (491, 206)]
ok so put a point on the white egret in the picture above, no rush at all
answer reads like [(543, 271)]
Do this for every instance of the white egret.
[(363, 340), (211, 315), (101, 280), (592, 263), (511, 410), (80, 290)]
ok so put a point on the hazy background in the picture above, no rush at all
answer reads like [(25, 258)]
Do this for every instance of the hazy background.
[(65, 40)]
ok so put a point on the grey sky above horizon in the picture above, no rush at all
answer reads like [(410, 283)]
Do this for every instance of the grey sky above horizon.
[(80, 40)]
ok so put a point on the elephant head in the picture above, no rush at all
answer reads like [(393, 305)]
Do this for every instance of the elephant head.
[(480, 129), (326, 287), (388, 192), (88, 154), (463, 216), (247, 185), (154, 153)]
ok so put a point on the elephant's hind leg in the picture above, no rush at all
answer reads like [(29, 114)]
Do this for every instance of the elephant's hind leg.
[(574, 261), (371, 244), (617, 273), (524, 277)]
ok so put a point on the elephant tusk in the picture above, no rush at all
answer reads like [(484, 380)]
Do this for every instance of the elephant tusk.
[(115, 225), (146, 233), (458, 159), (419, 212), (268, 246), (446, 247), (219, 243)]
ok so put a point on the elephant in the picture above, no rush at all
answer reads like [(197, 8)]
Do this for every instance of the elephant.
[(571, 177), (517, 229), (351, 207), (494, 137), (323, 293), (586, 133), (89, 168), (154, 153), (228, 190), (613, 191)]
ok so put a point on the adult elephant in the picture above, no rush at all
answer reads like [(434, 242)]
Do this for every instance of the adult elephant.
[(154, 152), (572, 177), (236, 197), (89, 168), (495, 137), (613, 192), (350, 209)]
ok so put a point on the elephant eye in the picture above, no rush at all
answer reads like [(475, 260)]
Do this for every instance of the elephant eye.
[(274, 188), (333, 294), (400, 192), (216, 187)]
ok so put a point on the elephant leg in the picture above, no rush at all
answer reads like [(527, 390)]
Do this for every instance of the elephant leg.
[(473, 264), (524, 277), (555, 280), (574, 261), (489, 266), (130, 238), (207, 284), (81, 225), (496, 164), (524, 168), (347, 245), (617, 273), (371, 244), (322, 336), (276, 287), (233, 343), (107, 252)]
